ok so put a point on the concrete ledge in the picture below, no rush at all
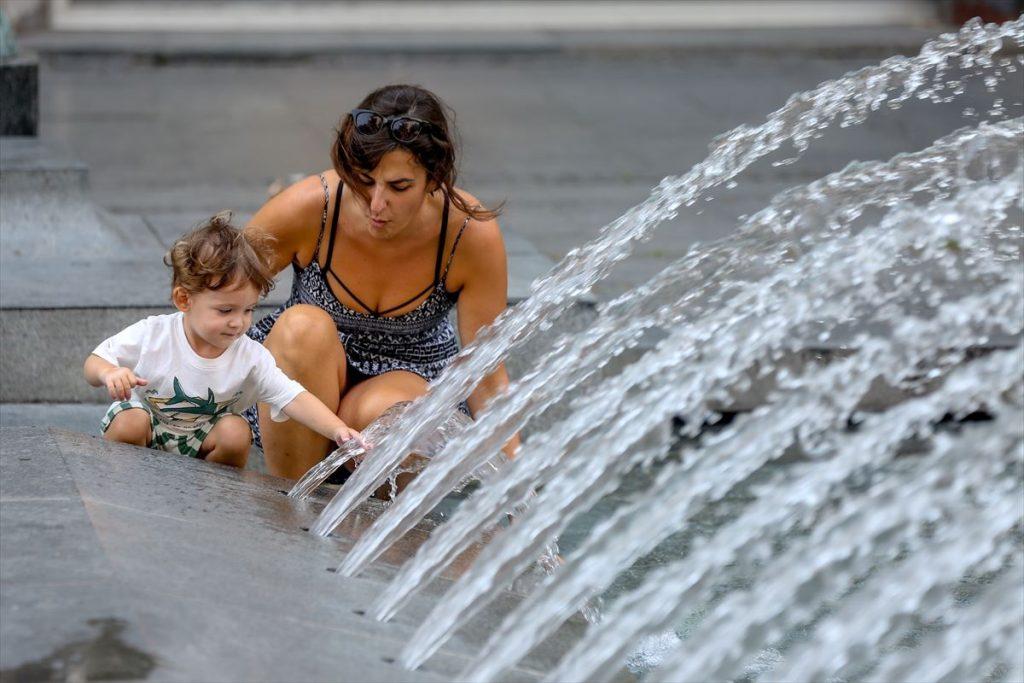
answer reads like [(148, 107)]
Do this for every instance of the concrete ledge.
[(256, 45), (476, 15), (83, 418)]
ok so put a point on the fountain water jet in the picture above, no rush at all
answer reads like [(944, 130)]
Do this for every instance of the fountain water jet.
[(811, 411), (929, 281), (673, 375), (799, 496), (854, 189)]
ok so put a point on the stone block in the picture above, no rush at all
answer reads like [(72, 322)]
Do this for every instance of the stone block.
[(48, 211), (19, 97), (76, 417), (33, 469)]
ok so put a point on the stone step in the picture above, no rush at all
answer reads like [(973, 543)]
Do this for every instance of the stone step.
[(72, 274), (83, 418), (476, 16), (47, 329)]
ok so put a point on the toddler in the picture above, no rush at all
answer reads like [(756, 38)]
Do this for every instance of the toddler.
[(180, 381)]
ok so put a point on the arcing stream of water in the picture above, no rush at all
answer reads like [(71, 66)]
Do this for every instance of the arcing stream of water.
[(904, 269)]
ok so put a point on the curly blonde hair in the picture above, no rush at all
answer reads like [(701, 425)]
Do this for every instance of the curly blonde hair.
[(216, 254)]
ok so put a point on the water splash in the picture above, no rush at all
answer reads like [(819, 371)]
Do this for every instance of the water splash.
[(376, 433)]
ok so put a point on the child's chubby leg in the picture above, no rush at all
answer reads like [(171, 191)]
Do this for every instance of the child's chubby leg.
[(127, 423), (228, 442)]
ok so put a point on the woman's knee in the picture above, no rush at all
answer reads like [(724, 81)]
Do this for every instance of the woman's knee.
[(129, 426), (372, 398), (304, 333)]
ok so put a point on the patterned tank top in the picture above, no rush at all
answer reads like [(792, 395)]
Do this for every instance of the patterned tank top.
[(422, 340)]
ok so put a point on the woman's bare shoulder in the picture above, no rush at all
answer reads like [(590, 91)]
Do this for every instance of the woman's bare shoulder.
[(481, 248), (293, 217), (479, 232), (293, 206)]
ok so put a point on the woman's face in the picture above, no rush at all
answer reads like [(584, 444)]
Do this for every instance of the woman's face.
[(396, 190)]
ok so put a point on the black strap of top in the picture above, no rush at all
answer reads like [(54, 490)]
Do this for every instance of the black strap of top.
[(323, 216), (437, 261), (334, 226), (451, 254), (440, 242)]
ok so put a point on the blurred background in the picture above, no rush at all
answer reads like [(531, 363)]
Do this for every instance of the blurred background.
[(569, 111)]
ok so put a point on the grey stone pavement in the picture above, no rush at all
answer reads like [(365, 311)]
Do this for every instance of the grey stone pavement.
[(121, 564)]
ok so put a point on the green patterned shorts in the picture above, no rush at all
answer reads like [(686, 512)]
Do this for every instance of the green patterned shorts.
[(163, 437)]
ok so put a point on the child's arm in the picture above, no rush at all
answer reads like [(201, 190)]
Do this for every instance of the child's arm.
[(310, 411), (119, 381)]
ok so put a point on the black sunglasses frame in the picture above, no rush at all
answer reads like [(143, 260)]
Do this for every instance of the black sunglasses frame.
[(393, 124)]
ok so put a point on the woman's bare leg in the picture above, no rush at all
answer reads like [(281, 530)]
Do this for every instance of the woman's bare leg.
[(305, 344), (368, 400)]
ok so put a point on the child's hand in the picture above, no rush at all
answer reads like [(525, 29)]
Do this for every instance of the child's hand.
[(120, 382), (345, 433)]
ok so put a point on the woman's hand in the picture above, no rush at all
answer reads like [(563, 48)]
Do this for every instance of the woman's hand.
[(120, 382)]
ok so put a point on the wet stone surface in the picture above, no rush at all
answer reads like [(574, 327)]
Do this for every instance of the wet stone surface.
[(125, 563), (103, 658)]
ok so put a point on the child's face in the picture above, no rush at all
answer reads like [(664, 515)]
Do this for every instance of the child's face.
[(216, 318)]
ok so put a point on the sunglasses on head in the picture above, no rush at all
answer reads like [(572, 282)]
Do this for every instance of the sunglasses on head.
[(401, 128)]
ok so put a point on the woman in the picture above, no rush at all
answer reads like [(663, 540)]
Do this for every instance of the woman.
[(383, 246)]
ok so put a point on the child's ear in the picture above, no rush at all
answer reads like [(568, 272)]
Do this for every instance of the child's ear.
[(182, 301)]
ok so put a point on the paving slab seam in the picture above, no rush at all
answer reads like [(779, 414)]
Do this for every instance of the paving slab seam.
[(89, 500), (55, 584), (35, 499), (341, 544)]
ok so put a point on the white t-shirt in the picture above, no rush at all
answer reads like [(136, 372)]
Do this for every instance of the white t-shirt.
[(186, 390)]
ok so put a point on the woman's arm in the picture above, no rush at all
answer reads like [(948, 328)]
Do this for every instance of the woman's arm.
[(483, 272), (292, 219)]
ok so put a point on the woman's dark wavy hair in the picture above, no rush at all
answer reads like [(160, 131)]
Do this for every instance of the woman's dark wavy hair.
[(436, 151)]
